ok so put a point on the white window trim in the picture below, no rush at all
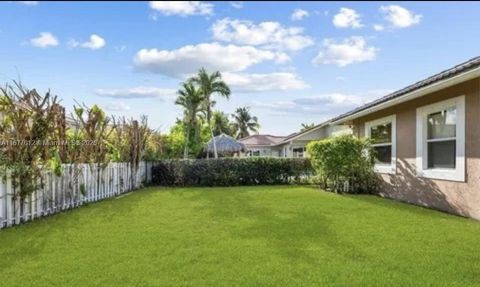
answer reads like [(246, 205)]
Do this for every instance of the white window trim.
[(457, 174), (386, 168)]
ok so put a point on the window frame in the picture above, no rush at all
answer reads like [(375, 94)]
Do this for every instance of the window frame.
[(392, 119), (452, 174)]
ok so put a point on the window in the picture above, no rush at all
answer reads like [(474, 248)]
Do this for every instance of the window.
[(298, 152), (441, 140), (382, 133), (255, 153)]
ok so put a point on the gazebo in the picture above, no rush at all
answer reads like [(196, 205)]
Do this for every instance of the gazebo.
[(226, 145)]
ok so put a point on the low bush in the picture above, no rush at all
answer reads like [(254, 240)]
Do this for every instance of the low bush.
[(344, 164), (231, 171)]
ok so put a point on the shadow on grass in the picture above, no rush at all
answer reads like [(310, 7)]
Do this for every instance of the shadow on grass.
[(290, 233)]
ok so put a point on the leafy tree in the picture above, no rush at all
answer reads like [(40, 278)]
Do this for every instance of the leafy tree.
[(211, 84), (244, 122), (191, 99), (221, 124), (306, 126)]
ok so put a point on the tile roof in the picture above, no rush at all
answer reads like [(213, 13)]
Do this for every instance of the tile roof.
[(446, 74), (261, 140)]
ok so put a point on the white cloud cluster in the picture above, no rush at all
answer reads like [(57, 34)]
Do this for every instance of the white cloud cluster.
[(350, 50), (189, 59), (117, 107), (328, 105), (137, 93), (95, 42), (182, 8), (347, 18), (270, 35), (28, 3), (400, 17), (244, 83), (44, 40), (236, 4), (299, 14), (378, 27)]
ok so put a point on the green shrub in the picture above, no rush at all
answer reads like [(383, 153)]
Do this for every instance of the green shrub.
[(344, 164), (231, 171)]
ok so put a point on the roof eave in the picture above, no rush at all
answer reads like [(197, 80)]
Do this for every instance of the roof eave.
[(463, 77)]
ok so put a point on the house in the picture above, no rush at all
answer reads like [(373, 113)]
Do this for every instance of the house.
[(262, 145), (427, 138), (293, 145)]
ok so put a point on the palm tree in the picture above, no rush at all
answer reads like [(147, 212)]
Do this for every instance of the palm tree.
[(307, 126), (244, 122), (211, 84), (191, 99), (221, 124)]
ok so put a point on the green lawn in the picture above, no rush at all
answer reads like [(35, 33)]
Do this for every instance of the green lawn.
[(245, 236)]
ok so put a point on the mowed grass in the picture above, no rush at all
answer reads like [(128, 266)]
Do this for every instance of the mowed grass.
[(243, 236)]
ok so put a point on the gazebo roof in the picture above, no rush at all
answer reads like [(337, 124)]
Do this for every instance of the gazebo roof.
[(226, 143)]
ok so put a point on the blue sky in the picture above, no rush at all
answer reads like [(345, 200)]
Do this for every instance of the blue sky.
[(291, 62)]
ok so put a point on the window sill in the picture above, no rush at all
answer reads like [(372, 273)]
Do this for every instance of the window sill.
[(442, 174)]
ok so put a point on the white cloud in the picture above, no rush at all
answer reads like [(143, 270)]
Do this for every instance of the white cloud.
[(282, 81), (189, 59), (44, 40), (117, 107), (347, 18), (400, 17), (378, 27), (182, 8), (137, 93), (72, 43), (28, 3), (266, 34), (349, 51), (327, 105), (94, 43), (299, 14), (236, 4), (340, 78)]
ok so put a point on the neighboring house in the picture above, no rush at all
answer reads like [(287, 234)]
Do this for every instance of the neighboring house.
[(262, 145), (293, 145), (427, 137)]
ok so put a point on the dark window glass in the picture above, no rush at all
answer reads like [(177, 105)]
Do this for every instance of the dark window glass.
[(441, 154), (381, 133), (383, 154)]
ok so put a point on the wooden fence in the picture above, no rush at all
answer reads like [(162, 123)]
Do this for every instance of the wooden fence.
[(77, 185)]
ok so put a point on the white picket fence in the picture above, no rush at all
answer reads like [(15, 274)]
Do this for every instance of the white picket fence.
[(64, 192)]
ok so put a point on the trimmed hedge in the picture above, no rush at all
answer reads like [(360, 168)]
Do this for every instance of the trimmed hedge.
[(231, 171)]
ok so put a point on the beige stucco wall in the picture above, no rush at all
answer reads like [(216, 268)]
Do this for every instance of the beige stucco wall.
[(461, 198)]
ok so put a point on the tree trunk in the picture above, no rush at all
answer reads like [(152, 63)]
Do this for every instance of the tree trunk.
[(185, 150), (209, 120), (215, 154)]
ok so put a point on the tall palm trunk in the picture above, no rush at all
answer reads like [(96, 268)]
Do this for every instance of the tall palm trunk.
[(187, 138), (209, 116)]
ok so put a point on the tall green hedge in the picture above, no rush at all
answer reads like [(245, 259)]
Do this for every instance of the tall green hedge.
[(344, 164), (231, 171)]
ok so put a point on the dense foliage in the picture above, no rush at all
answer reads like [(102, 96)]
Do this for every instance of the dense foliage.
[(36, 134), (200, 122), (344, 164), (231, 171)]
